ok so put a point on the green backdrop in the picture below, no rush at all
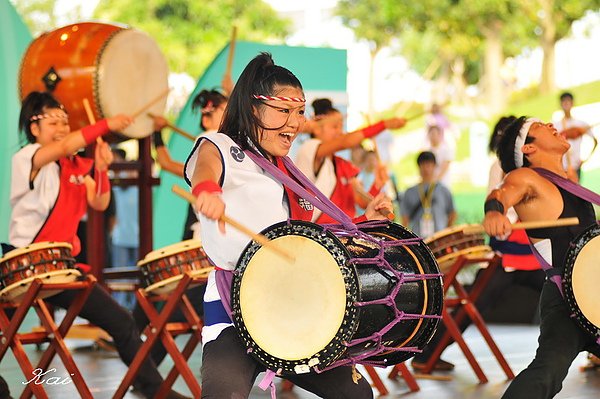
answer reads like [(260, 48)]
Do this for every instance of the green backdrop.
[(322, 72), (14, 39)]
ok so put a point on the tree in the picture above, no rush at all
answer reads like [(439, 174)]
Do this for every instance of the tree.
[(370, 21), (555, 18), (189, 32)]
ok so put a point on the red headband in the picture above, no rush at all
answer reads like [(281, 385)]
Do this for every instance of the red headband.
[(275, 98)]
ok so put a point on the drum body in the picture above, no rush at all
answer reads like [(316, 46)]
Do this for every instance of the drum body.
[(336, 297), (50, 262), (117, 69), (582, 279), (448, 244), (164, 268)]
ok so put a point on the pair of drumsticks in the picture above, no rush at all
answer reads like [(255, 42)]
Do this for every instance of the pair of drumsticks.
[(265, 242)]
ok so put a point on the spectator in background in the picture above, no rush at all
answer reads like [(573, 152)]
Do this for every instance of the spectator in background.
[(427, 207), (444, 154), (573, 130)]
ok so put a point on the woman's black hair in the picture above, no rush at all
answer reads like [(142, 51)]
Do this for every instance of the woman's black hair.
[(207, 101), (323, 106), (261, 76), (502, 123), (506, 145), (35, 104)]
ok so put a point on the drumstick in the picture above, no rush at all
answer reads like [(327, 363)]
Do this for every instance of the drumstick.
[(90, 115), (538, 224), (368, 198), (259, 238), (150, 103), (231, 51), (175, 128)]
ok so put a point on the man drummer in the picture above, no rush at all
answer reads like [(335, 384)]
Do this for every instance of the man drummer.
[(528, 144)]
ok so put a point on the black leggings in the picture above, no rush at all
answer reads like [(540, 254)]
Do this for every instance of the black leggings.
[(560, 341), (229, 372)]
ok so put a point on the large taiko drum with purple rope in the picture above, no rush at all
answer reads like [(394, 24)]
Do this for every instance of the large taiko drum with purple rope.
[(582, 279), (370, 295)]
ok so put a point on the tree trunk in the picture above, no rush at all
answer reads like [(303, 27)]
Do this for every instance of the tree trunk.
[(548, 42), (493, 58)]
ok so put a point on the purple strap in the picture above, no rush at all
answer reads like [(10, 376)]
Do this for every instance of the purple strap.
[(267, 382), (578, 191), (317, 198), (572, 187), (224, 279)]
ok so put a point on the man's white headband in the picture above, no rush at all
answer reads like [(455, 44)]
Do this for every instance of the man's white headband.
[(520, 141)]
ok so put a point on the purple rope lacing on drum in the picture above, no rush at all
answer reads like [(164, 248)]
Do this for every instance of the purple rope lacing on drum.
[(388, 300), (348, 228)]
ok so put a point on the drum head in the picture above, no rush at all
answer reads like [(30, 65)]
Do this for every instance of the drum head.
[(15, 292), (168, 285), (291, 314), (582, 279), (132, 71), (170, 250)]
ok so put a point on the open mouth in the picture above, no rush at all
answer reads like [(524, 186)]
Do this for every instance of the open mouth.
[(287, 137)]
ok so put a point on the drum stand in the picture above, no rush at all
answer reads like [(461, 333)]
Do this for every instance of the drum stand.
[(159, 328), (51, 333), (465, 301)]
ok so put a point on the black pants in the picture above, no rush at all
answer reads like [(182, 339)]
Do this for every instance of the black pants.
[(196, 298), (560, 341), (498, 286), (229, 372), (103, 311)]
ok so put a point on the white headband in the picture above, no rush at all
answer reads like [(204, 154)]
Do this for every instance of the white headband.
[(520, 141)]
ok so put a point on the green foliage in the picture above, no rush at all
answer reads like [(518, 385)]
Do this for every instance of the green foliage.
[(190, 33)]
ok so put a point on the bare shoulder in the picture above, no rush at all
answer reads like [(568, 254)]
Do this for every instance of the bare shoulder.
[(522, 176)]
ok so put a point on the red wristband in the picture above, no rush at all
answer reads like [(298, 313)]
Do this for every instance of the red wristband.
[(102, 182), (373, 130), (208, 186), (92, 132), (374, 190)]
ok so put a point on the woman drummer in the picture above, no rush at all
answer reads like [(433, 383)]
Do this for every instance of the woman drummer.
[(50, 191), (264, 114)]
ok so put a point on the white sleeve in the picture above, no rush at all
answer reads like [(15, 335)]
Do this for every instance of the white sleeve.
[(190, 163), (305, 158), (22, 163)]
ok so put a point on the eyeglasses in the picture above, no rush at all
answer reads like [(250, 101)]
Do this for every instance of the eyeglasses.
[(282, 115)]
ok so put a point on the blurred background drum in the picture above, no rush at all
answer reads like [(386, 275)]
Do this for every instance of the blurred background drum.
[(118, 69), (50, 262), (449, 244), (164, 268)]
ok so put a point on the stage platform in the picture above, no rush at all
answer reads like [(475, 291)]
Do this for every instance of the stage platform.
[(103, 370)]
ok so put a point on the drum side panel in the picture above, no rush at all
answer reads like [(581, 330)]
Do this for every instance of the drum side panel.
[(586, 281), (293, 310), (132, 71)]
